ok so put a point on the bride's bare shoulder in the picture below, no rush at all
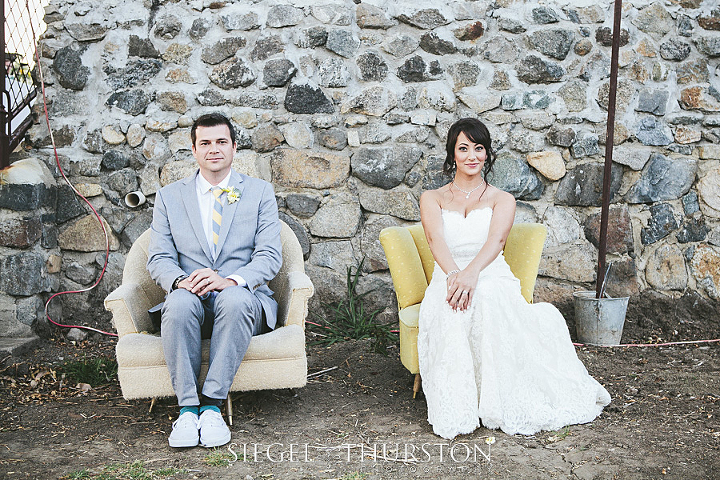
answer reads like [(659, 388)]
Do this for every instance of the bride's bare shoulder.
[(501, 196), (435, 195)]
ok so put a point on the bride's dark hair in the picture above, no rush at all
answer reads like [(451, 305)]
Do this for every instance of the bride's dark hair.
[(477, 132)]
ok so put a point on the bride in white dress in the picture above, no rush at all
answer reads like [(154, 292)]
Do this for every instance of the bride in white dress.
[(485, 353)]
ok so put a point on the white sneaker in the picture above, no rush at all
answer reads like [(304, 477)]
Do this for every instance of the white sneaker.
[(213, 430), (185, 432)]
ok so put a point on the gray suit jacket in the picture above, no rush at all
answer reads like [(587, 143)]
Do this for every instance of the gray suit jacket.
[(249, 243)]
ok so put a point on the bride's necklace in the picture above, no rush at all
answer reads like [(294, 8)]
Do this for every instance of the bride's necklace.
[(467, 194)]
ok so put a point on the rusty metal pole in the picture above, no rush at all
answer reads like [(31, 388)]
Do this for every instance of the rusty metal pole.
[(609, 141), (4, 96)]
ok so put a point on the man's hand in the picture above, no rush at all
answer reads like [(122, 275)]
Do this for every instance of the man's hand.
[(205, 280)]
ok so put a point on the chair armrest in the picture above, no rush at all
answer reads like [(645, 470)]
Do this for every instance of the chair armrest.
[(293, 306), (523, 251), (406, 267), (129, 306)]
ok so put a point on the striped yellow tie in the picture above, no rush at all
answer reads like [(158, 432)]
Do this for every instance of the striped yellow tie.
[(216, 215)]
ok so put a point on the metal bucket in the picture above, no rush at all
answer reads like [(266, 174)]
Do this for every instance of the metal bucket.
[(599, 321)]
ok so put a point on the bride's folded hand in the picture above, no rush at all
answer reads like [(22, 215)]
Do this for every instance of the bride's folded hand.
[(461, 287)]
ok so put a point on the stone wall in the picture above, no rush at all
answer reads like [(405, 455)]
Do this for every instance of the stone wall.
[(344, 106), (30, 260)]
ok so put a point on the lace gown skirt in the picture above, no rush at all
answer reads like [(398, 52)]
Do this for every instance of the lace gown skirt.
[(503, 361)]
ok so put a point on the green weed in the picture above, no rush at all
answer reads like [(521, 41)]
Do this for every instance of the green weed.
[(350, 318), (93, 371), (559, 435), (354, 476), (126, 471), (84, 473), (169, 472), (219, 458)]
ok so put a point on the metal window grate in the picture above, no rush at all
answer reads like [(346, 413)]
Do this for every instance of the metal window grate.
[(17, 53)]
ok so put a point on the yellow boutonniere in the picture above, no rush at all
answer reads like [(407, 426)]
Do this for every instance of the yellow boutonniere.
[(233, 194)]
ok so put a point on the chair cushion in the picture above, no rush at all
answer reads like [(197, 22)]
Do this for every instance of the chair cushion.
[(142, 350), (273, 360)]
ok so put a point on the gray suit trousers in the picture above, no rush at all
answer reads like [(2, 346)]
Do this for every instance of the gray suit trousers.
[(236, 315)]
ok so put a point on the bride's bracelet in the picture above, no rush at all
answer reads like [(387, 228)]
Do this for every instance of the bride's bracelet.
[(453, 272)]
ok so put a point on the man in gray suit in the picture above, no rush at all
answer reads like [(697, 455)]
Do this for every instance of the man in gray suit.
[(215, 244)]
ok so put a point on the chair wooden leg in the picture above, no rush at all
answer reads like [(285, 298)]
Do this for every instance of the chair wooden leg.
[(416, 384), (152, 404), (229, 409)]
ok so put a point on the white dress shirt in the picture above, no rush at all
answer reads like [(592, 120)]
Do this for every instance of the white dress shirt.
[(206, 202)]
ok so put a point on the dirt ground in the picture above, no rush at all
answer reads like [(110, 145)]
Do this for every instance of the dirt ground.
[(359, 420)]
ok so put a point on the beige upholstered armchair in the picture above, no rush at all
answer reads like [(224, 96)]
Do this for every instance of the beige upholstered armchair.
[(273, 360)]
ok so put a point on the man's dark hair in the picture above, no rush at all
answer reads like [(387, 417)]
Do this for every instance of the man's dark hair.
[(212, 120)]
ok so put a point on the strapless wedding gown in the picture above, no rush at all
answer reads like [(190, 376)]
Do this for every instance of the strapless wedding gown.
[(502, 361)]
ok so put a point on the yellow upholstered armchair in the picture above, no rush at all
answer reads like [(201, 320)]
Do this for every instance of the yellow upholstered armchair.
[(411, 266), (273, 360)]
